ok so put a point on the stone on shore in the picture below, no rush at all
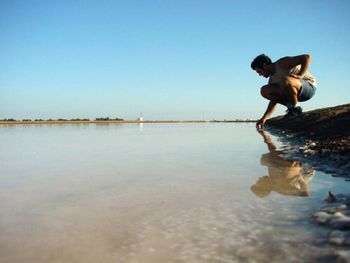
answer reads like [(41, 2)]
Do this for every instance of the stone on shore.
[(343, 256), (336, 216)]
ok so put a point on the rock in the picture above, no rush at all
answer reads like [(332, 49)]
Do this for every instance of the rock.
[(331, 198), (343, 256), (334, 209), (340, 215), (323, 217), (340, 238)]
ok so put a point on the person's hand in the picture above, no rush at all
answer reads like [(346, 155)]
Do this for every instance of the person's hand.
[(260, 123)]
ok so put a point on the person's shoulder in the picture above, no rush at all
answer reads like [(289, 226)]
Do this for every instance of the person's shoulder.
[(292, 61), (282, 60)]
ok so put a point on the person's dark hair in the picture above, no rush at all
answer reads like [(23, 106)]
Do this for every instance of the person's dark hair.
[(259, 61)]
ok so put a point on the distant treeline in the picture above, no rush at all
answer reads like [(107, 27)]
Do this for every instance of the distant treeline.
[(76, 119), (104, 119)]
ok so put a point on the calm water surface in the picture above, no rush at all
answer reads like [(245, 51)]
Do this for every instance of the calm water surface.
[(157, 193)]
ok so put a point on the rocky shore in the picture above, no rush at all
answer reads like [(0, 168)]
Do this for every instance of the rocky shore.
[(322, 137), (335, 215)]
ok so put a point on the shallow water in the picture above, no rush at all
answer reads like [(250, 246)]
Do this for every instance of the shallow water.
[(156, 193)]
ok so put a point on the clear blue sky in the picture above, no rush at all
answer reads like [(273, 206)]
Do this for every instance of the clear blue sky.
[(170, 59)]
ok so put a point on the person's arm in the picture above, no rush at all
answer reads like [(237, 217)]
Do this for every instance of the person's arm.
[(291, 62), (270, 108), (268, 141)]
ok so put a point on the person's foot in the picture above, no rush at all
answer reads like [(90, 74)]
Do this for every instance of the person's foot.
[(294, 111)]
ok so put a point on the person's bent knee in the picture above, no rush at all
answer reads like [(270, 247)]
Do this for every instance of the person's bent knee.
[(264, 91), (270, 91)]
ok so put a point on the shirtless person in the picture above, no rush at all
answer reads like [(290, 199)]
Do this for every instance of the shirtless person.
[(286, 177), (289, 83)]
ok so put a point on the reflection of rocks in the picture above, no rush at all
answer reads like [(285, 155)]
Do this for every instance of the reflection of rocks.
[(336, 216)]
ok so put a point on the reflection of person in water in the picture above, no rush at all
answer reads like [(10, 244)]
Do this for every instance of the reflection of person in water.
[(286, 177)]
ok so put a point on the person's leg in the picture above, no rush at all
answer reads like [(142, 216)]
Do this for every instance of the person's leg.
[(290, 90), (273, 92)]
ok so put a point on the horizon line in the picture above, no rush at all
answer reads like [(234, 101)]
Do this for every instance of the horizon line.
[(9, 122)]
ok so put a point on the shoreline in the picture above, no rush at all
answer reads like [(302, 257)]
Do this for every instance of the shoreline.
[(320, 137), (121, 122)]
